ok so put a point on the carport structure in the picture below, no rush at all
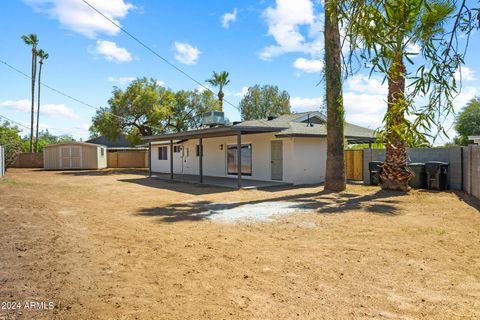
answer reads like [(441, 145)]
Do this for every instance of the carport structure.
[(200, 135)]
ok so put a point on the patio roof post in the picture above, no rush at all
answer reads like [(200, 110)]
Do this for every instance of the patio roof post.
[(171, 159), (149, 159), (200, 159), (239, 159)]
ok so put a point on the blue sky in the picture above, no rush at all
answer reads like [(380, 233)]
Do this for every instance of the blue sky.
[(259, 42)]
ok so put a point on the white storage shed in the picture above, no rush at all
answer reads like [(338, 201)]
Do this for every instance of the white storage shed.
[(74, 155)]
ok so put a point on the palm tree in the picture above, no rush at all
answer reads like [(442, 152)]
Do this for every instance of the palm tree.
[(219, 80), (32, 40), (43, 56), (386, 30), (335, 175)]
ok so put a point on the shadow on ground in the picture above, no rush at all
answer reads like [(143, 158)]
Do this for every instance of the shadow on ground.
[(177, 186), (324, 202), (105, 172)]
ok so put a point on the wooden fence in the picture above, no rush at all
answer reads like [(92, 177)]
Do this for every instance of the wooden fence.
[(127, 159), (29, 160), (354, 164)]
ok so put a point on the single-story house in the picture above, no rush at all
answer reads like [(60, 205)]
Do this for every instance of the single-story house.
[(475, 139), (74, 155), (289, 148), (121, 153)]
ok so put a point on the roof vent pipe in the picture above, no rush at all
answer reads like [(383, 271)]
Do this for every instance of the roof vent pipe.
[(270, 118)]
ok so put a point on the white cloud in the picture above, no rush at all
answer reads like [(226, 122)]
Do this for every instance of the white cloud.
[(111, 52), (121, 81), (228, 18), (465, 74), (299, 104), (23, 105), (414, 49), (308, 66), (55, 110), (467, 94), (75, 15), (185, 53), (240, 93), (364, 84), (58, 110), (284, 23)]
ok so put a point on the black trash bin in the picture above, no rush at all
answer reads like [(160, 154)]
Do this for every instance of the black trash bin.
[(419, 179), (375, 169), (437, 173)]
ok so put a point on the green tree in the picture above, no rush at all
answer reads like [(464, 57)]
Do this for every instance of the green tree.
[(45, 138), (383, 31), (219, 80), (11, 141), (43, 56), (263, 101), (32, 40), (467, 122), (144, 108), (335, 178)]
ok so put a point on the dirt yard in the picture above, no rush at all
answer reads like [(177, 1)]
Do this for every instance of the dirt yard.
[(116, 245)]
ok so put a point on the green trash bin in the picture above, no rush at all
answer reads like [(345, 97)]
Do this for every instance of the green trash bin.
[(419, 179)]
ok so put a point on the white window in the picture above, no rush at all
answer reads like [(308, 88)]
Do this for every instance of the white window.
[(177, 149)]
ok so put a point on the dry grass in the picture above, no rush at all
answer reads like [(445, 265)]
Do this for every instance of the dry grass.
[(114, 245)]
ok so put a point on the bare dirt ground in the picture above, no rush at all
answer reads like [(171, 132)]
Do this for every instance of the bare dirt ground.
[(115, 245)]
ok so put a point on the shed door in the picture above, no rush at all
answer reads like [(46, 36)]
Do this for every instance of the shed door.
[(70, 157), (277, 160)]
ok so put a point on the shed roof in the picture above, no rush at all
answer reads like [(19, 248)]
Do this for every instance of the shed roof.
[(75, 143)]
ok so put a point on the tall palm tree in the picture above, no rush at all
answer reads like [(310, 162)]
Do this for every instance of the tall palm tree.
[(335, 175), (32, 40), (386, 30), (43, 56), (219, 80)]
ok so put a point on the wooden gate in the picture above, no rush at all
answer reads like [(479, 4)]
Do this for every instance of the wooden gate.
[(127, 159), (354, 164)]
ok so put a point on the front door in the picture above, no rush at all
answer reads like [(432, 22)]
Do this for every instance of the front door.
[(277, 160)]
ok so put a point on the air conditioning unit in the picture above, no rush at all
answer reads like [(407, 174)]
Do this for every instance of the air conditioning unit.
[(214, 118)]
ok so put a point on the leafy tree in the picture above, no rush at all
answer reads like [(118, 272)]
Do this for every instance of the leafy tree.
[(335, 178), (219, 80), (45, 138), (383, 31), (11, 141), (32, 40), (468, 121), (263, 101), (43, 56), (144, 108)]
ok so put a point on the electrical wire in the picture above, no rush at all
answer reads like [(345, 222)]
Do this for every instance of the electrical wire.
[(154, 52)]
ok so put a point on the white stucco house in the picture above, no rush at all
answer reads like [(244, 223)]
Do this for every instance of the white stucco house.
[(475, 139), (289, 148)]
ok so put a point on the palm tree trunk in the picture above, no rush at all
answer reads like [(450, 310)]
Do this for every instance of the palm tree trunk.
[(395, 175), (220, 99), (32, 111), (38, 105), (335, 174)]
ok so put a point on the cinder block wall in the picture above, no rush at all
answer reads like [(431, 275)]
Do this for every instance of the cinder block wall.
[(452, 155)]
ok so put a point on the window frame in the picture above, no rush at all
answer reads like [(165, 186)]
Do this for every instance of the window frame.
[(163, 153)]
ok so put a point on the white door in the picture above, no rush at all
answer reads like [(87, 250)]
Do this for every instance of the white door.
[(276, 159), (70, 158)]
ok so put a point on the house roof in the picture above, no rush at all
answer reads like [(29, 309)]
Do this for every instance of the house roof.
[(120, 142), (291, 125)]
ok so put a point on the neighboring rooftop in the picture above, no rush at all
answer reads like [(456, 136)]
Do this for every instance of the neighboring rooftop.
[(120, 142)]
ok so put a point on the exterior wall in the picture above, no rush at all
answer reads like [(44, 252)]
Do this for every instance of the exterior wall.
[(471, 170), (90, 155), (303, 158), (29, 160), (452, 155)]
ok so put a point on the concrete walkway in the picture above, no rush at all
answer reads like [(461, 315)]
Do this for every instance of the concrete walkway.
[(220, 181)]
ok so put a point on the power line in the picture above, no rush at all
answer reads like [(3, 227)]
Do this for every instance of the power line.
[(155, 53), (69, 96), (13, 121)]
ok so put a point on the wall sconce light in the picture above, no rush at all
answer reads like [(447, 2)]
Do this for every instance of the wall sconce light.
[(221, 147)]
